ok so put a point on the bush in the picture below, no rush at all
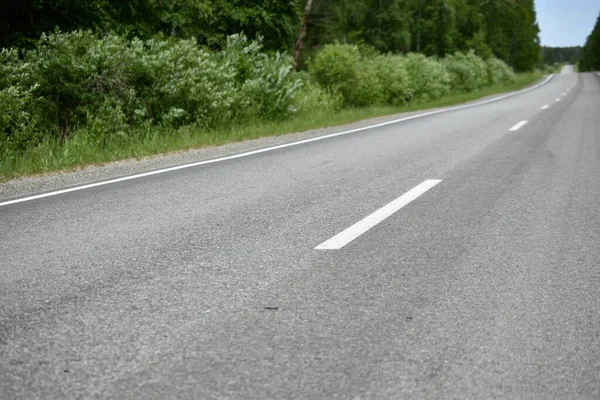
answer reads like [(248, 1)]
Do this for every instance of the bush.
[(18, 119), (110, 85), (178, 83), (341, 69), (365, 78), (394, 79), (312, 98), (267, 84), (499, 71), (468, 72), (77, 75), (368, 89), (108, 88), (336, 67), (428, 78)]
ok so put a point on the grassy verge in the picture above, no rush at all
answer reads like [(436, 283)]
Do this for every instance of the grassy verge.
[(82, 150)]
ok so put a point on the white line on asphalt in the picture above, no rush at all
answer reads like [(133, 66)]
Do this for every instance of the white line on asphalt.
[(557, 100), (545, 107), (268, 149), (362, 226), (518, 126)]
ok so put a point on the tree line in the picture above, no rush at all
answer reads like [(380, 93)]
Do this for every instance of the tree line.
[(561, 55), (590, 57), (506, 29)]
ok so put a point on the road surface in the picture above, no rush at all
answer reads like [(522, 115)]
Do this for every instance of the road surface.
[(451, 256)]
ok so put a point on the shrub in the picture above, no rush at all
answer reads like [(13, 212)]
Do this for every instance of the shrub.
[(18, 119), (394, 79), (76, 74), (468, 71), (363, 77), (313, 98), (109, 85), (368, 89), (336, 67), (341, 69), (429, 78), (267, 84), (179, 83), (499, 71)]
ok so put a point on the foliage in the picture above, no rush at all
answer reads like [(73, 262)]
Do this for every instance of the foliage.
[(336, 67), (266, 84), (394, 79), (312, 98), (468, 72), (429, 78), (499, 71), (561, 55), (208, 21), (363, 77), (590, 57), (18, 119), (80, 77), (81, 150), (109, 85), (505, 29), (84, 89)]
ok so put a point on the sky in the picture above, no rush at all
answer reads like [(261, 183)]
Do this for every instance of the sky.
[(565, 23)]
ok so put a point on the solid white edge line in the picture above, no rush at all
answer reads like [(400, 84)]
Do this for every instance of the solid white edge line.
[(518, 126), (545, 107), (267, 149), (348, 235)]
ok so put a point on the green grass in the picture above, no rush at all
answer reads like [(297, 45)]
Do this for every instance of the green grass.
[(82, 150)]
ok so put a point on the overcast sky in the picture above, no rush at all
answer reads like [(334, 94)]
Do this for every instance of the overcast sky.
[(566, 23)]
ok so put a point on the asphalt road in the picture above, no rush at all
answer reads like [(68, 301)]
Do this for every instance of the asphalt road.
[(213, 282)]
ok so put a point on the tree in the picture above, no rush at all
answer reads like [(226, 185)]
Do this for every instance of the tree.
[(561, 55), (302, 34), (387, 26), (504, 28), (435, 24), (512, 31), (210, 21), (23, 22), (590, 56)]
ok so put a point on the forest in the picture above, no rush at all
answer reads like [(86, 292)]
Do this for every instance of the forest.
[(85, 81), (504, 28), (590, 55), (561, 55)]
